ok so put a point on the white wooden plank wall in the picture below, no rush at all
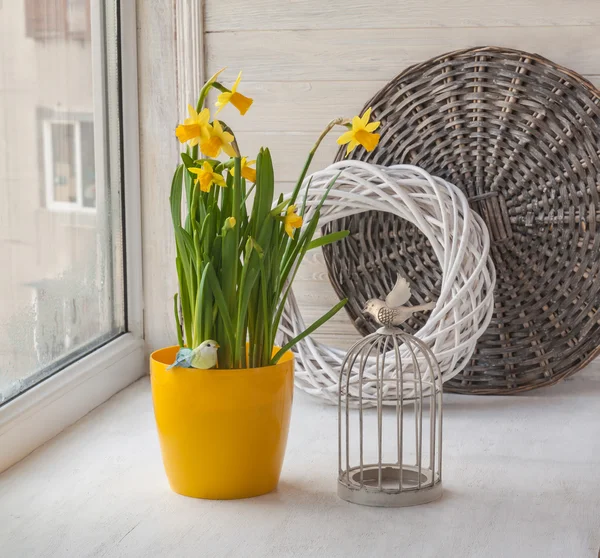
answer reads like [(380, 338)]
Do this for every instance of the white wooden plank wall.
[(308, 61), (159, 153)]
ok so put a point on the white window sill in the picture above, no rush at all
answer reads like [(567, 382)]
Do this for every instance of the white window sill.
[(521, 478), (46, 409)]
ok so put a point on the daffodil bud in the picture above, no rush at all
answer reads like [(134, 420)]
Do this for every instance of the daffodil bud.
[(256, 246), (229, 224)]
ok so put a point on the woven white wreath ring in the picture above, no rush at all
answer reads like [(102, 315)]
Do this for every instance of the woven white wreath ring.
[(461, 244)]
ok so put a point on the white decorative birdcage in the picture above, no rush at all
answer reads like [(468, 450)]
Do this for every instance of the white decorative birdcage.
[(390, 455)]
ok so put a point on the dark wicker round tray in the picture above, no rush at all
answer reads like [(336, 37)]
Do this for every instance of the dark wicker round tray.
[(520, 136)]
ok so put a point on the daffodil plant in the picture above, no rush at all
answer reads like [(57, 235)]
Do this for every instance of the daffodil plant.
[(237, 253)]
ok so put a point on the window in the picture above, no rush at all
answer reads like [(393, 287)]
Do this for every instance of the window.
[(70, 336), (48, 19), (69, 167), (70, 242), (62, 287)]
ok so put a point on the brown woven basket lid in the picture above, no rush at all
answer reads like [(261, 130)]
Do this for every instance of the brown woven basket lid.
[(521, 137)]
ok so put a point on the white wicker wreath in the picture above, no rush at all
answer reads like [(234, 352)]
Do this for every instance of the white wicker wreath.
[(461, 244)]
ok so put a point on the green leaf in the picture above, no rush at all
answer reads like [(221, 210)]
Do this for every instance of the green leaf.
[(265, 188), (315, 325), (301, 177), (276, 211), (220, 300), (188, 182), (175, 197), (330, 185), (201, 300), (187, 161), (263, 316), (297, 257), (297, 250), (327, 239), (247, 195), (185, 305), (193, 214), (304, 200), (188, 243)]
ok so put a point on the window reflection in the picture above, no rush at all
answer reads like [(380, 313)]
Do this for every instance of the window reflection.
[(61, 290)]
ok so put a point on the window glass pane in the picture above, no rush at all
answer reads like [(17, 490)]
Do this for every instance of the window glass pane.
[(61, 286)]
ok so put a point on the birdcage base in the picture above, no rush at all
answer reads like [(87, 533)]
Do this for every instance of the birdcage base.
[(368, 492)]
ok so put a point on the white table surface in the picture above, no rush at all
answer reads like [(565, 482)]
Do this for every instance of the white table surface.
[(521, 479)]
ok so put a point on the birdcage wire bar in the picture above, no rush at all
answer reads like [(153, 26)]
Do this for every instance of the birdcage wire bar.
[(418, 382)]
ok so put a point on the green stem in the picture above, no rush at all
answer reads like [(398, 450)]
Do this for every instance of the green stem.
[(311, 154), (177, 321)]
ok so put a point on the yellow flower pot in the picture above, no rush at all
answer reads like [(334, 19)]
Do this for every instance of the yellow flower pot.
[(222, 433)]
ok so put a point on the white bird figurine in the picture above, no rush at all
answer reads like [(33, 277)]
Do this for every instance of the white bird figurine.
[(204, 356), (391, 311)]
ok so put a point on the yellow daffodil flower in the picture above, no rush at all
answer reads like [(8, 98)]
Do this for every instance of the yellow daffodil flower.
[(361, 133), (239, 101), (206, 177), (195, 128), (217, 140), (247, 171), (291, 221)]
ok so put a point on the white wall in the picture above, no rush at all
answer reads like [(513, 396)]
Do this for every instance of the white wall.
[(306, 62)]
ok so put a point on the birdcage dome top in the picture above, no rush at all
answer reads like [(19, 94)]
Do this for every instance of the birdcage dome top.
[(389, 361)]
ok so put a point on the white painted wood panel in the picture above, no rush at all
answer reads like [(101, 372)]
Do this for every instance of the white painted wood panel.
[(315, 296), (159, 155), (391, 14), (306, 62), (365, 54), (299, 106), (289, 150)]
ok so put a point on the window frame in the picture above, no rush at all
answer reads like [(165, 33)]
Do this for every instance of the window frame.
[(43, 411)]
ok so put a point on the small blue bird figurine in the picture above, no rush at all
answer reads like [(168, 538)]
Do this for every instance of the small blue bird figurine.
[(183, 359), (204, 356)]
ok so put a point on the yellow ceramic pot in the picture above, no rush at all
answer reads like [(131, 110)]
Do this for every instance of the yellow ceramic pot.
[(222, 433)]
